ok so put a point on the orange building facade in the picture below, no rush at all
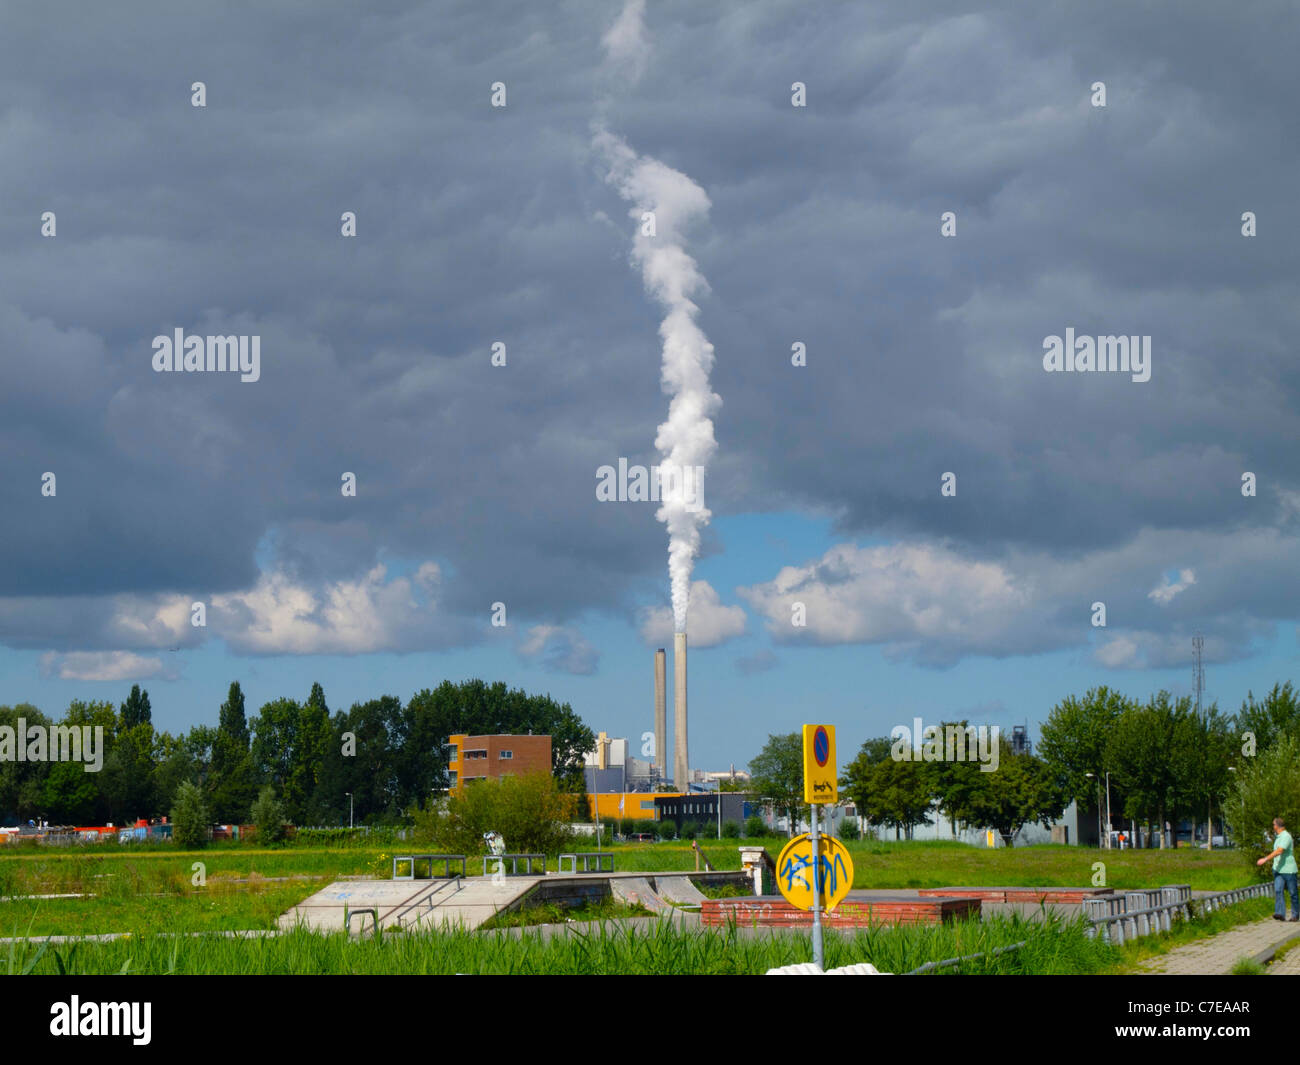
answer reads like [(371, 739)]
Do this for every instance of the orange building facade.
[(493, 757)]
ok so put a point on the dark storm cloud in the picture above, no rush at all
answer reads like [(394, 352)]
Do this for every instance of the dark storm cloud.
[(477, 225)]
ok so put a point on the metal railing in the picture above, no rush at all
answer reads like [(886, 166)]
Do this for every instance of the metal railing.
[(586, 857), (931, 966), (1118, 918), (349, 913), (427, 904), (514, 860), (446, 860)]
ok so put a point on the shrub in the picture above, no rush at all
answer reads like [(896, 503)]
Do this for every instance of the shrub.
[(268, 816), (189, 817), (730, 830), (530, 811), (1267, 786), (849, 829), (755, 828)]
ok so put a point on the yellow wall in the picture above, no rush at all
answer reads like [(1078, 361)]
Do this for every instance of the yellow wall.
[(607, 804)]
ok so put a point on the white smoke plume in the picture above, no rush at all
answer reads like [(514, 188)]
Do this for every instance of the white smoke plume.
[(671, 276)]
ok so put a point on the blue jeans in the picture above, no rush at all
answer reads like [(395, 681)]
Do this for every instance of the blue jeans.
[(1283, 883)]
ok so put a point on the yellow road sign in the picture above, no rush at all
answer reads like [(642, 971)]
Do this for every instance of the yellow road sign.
[(795, 872), (820, 784)]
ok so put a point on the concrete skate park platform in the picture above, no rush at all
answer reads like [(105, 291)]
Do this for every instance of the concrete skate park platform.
[(467, 902), (1063, 895), (860, 909)]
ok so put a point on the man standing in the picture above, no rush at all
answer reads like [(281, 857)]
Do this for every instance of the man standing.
[(1284, 872)]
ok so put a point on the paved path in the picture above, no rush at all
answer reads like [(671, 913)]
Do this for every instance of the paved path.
[(1288, 966), (1217, 954)]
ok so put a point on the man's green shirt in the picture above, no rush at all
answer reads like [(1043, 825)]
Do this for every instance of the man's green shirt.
[(1284, 862)]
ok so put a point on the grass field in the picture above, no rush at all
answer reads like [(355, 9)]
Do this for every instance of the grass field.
[(144, 891)]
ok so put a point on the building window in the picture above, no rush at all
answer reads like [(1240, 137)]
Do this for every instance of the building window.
[(647, 804), (453, 752), (506, 754), (451, 776)]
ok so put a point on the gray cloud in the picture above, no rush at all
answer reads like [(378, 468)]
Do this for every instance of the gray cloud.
[(477, 225)]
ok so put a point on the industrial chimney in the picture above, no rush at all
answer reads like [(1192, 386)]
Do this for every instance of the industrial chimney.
[(661, 715), (681, 766)]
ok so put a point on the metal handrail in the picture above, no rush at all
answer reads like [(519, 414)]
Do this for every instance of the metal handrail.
[(1142, 919), (930, 965), (456, 883)]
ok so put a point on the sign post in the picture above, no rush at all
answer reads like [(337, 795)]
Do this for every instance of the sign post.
[(819, 786)]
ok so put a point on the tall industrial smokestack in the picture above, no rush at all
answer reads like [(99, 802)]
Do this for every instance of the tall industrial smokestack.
[(681, 769), (661, 714)]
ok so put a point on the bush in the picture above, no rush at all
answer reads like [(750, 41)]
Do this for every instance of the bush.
[(689, 830), (849, 829), (268, 816), (730, 830), (1267, 787), (666, 830), (189, 817), (530, 811), (755, 828)]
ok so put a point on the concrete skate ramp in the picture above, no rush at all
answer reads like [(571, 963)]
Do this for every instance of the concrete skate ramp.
[(637, 889), (407, 904), (678, 889)]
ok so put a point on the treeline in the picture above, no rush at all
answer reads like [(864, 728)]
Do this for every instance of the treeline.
[(1166, 763), (893, 785), (389, 754)]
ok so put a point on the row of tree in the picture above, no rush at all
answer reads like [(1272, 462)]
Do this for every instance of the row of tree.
[(894, 786), (1166, 762), (388, 754)]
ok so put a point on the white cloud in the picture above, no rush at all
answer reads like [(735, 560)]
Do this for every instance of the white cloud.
[(1166, 590), (99, 665), (278, 616), (708, 621), (897, 594)]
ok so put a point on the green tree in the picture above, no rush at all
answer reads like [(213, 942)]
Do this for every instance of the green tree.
[(530, 811), (477, 708), (1022, 790), (858, 776), (22, 784), (955, 779), (1143, 752), (1268, 719), (189, 817), (127, 778), (900, 792), (232, 785), (1073, 740), (1204, 748), (136, 710), (776, 773), (69, 795), (268, 816), (1265, 787)]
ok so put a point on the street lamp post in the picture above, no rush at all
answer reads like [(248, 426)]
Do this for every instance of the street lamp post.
[(1093, 777), (1108, 809), (349, 795)]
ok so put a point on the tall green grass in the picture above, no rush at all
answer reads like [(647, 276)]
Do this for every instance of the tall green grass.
[(604, 949)]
